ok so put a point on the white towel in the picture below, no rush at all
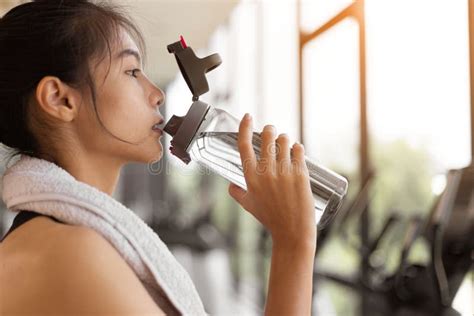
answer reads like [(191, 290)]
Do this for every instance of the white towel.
[(44, 187)]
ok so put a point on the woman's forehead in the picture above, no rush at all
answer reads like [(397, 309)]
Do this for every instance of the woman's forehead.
[(126, 47), (126, 41)]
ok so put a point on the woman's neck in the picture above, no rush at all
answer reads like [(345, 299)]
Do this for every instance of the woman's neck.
[(99, 171)]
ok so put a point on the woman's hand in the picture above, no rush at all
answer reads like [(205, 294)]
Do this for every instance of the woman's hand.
[(278, 189)]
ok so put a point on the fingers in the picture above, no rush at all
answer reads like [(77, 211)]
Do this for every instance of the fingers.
[(275, 155), (241, 197), (282, 148), (283, 154), (244, 140), (298, 159), (268, 149), (237, 193)]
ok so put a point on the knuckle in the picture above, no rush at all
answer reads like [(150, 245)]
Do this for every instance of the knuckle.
[(269, 176), (261, 167), (278, 148), (247, 164), (284, 168), (272, 149), (301, 170)]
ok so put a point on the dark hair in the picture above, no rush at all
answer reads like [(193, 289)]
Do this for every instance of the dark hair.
[(57, 38)]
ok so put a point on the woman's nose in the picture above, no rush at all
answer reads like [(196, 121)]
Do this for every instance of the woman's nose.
[(158, 96)]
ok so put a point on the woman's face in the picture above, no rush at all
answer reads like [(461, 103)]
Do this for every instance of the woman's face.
[(127, 104)]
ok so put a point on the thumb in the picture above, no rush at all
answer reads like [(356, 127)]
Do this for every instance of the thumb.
[(237, 193)]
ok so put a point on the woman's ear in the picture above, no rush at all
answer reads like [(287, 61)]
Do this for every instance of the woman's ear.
[(57, 99)]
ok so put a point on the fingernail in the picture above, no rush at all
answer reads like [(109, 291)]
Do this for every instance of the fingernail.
[(247, 116)]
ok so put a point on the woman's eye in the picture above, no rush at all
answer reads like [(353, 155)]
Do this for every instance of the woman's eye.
[(134, 71)]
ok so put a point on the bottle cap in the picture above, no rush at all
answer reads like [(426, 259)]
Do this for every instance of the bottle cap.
[(183, 129), (192, 68)]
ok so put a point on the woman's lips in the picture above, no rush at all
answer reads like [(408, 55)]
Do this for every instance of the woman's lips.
[(156, 127), (158, 130)]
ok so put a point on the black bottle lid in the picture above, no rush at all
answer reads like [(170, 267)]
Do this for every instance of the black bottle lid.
[(183, 129), (192, 68)]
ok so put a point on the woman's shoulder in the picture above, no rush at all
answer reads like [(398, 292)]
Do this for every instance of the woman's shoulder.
[(42, 249), (63, 268), (42, 236)]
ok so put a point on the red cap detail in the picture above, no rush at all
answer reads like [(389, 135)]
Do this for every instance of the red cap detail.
[(183, 43)]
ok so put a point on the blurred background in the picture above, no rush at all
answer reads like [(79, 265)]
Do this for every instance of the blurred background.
[(377, 90)]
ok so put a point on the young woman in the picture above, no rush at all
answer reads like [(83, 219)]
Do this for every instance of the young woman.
[(73, 92)]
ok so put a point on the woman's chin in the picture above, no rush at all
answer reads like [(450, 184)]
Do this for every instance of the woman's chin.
[(156, 155), (149, 152), (150, 155)]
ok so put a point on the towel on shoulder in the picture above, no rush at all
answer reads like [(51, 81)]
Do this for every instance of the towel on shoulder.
[(44, 187)]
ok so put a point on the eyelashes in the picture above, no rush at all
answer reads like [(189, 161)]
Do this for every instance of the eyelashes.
[(133, 72)]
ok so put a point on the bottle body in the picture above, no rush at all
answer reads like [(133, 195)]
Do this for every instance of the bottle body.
[(215, 148)]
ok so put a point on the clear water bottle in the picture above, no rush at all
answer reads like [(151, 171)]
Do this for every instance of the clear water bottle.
[(208, 136)]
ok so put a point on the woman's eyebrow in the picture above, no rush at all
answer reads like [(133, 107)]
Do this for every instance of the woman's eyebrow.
[(128, 52)]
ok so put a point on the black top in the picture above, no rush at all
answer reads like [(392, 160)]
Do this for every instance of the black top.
[(21, 218)]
